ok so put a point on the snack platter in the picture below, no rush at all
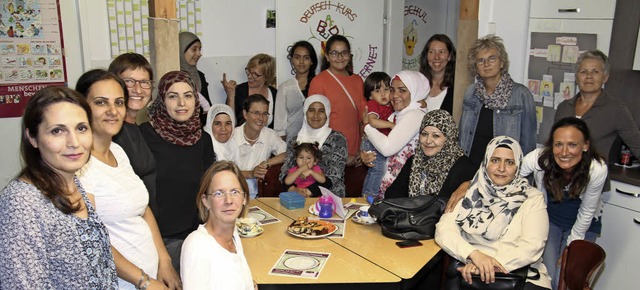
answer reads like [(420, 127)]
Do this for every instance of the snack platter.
[(311, 229)]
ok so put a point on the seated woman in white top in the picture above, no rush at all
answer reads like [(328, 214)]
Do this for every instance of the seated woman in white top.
[(212, 256), (501, 224), (121, 197), (220, 123)]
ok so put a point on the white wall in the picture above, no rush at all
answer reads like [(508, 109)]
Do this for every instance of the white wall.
[(510, 20)]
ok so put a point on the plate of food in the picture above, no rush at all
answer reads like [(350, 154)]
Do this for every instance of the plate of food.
[(311, 229)]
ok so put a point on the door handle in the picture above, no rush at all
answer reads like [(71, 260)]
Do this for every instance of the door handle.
[(569, 10), (628, 193)]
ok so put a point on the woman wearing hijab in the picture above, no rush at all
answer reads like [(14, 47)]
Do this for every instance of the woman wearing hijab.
[(495, 105), (407, 89), (332, 145), (183, 152), (220, 123), (501, 224), (190, 53), (439, 166)]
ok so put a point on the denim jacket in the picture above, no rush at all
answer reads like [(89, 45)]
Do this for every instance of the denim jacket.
[(517, 120)]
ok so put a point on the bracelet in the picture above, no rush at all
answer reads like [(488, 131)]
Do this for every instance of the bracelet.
[(141, 279), (146, 284)]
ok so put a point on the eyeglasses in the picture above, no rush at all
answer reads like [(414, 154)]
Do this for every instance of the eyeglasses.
[(490, 59), (222, 193), (337, 54), (252, 74), (259, 114), (145, 84)]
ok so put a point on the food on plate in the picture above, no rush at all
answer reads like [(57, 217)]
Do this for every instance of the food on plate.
[(304, 226)]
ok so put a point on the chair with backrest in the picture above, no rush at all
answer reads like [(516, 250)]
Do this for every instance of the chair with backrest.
[(580, 261)]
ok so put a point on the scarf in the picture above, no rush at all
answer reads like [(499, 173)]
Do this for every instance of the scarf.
[(186, 40), (308, 134), (418, 86), (487, 209), (223, 150), (429, 173), (500, 97), (178, 133)]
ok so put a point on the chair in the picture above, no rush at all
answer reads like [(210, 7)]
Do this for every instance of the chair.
[(271, 186), (580, 261)]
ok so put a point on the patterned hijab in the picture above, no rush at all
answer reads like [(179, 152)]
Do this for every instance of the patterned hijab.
[(418, 86), (500, 97), (429, 173), (308, 134), (186, 40), (487, 209), (179, 133), (223, 150)]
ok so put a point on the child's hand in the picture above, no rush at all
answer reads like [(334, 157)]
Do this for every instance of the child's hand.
[(365, 120), (306, 173), (423, 104)]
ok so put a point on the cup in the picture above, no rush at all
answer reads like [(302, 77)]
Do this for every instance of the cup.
[(247, 225), (364, 211)]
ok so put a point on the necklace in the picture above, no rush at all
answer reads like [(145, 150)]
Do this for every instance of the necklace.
[(250, 140)]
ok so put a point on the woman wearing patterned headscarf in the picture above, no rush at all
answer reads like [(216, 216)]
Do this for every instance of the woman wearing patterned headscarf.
[(501, 224), (439, 166), (408, 88), (494, 105), (183, 152), (220, 123)]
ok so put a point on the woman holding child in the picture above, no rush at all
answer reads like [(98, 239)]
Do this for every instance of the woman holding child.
[(332, 146)]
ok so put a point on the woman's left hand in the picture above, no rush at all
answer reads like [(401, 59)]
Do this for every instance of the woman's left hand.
[(168, 275), (468, 270), (368, 157), (487, 266)]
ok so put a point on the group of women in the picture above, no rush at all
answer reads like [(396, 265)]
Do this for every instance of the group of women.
[(104, 203)]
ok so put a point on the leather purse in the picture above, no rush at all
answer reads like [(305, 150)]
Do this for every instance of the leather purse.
[(408, 218), (513, 280)]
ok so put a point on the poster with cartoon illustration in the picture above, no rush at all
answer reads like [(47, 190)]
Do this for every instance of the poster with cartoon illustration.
[(31, 48), (361, 22), (422, 19)]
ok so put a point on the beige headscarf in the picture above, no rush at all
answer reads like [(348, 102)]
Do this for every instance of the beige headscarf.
[(187, 39)]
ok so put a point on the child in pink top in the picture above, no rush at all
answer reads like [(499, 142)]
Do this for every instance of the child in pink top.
[(376, 89), (307, 171)]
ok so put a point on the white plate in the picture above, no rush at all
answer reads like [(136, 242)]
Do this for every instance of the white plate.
[(331, 226), (357, 219), (257, 215), (301, 263), (258, 231)]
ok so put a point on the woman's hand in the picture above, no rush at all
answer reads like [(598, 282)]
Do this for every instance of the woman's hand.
[(156, 285), (260, 170), (468, 270), (168, 275), (457, 196), (487, 266), (229, 86), (368, 157)]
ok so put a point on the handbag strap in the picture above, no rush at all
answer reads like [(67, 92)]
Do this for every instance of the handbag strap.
[(344, 89)]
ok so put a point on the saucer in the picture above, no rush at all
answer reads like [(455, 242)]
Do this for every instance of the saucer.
[(254, 233), (357, 218)]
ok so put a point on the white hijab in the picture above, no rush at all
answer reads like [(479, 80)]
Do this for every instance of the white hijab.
[(224, 151), (418, 86), (308, 134)]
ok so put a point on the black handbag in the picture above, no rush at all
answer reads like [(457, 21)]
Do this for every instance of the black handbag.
[(513, 280), (408, 218)]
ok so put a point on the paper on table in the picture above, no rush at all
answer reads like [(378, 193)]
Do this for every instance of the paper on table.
[(301, 264), (336, 200), (263, 217)]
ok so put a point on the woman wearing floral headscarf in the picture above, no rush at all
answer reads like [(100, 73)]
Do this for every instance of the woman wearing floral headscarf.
[(501, 224), (407, 89), (220, 123), (439, 166), (332, 145), (183, 152)]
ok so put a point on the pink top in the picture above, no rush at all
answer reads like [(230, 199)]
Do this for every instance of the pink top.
[(382, 111), (305, 182)]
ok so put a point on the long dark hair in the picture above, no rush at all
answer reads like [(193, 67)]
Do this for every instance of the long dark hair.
[(555, 178), (93, 76), (449, 70), (334, 38), (35, 169), (312, 55)]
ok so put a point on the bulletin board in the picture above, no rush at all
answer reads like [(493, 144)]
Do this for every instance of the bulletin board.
[(32, 51)]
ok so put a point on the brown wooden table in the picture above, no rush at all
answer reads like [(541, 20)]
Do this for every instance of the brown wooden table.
[(368, 243)]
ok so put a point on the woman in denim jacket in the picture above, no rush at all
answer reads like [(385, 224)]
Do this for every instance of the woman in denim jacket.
[(495, 105)]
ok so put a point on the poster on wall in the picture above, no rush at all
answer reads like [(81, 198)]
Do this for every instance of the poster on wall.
[(552, 68), (361, 22), (31, 51), (422, 19)]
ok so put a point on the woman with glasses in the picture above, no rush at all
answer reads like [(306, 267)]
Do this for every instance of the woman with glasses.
[(121, 197), (212, 255), (183, 152), (292, 93), (494, 105), (261, 74), (344, 90), (257, 147), (190, 53)]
